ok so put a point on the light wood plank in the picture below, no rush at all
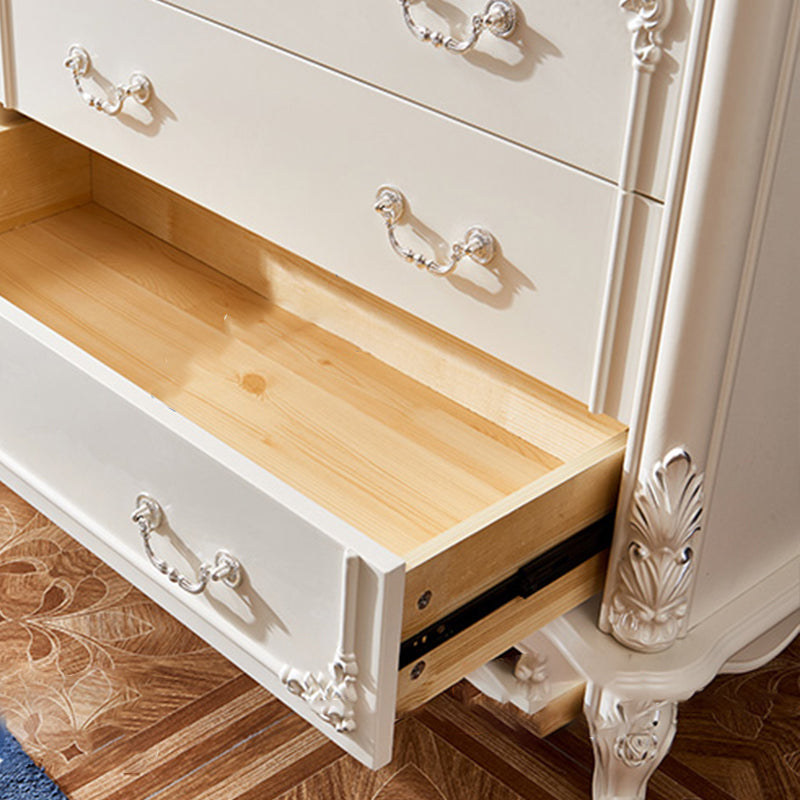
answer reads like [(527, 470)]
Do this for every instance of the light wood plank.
[(496, 633), (559, 711), (42, 173), (8, 116), (483, 550), (379, 449), (516, 402), (464, 499)]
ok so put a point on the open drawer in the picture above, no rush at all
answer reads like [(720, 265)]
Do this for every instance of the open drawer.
[(368, 506)]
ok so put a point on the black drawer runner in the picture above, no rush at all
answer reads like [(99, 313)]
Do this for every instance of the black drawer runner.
[(527, 580)]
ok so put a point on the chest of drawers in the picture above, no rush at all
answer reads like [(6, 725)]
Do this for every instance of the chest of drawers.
[(330, 465)]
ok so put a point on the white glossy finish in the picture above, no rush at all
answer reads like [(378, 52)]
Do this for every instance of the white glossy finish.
[(3, 56), (715, 340), (537, 305), (551, 676), (625, 690), (721, 217), (89, 442), (757, 486), (650, 686), (691, 663), (6, 57), (649, 607), (629, 738), (765, 648), (560, 84)]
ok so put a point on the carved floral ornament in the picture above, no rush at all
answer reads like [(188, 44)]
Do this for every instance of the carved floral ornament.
[(332, 697), (651, 17), (629, 738), (649, 605), (637, 743)]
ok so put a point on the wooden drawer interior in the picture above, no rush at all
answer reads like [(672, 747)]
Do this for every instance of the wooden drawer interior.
[(460, 465)]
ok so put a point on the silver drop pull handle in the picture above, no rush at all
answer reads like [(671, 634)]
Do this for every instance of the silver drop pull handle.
[(478, 244), (498, 17), (138, 86), (148, 516)]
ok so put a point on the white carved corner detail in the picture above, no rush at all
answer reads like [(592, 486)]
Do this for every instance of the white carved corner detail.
[(630, 739), (653, 582), (650, 19), (532, 675), (333, 696)]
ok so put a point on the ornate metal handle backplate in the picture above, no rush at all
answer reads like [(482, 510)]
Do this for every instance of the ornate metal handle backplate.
[(148, 516), (498, 17), (478, 243), (138, 86)]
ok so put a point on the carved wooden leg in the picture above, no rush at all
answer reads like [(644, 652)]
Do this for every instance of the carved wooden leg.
[(630, 739)]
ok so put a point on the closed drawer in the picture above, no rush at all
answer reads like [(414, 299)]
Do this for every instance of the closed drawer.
[(296, 154), (365, 507), (559, 84)]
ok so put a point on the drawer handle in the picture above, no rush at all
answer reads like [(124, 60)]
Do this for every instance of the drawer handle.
[(499, 17), (148, 516), (478, 243), (138, 86)]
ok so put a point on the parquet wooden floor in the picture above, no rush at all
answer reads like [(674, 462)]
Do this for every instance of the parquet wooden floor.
[(117, 701)]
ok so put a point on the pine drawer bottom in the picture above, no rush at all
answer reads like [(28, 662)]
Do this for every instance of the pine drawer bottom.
[(368, 504)]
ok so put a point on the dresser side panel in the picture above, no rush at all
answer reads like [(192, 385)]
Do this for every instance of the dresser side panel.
[(753, 524)]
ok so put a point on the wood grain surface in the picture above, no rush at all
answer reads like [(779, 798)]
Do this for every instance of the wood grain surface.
[(517, 402), (464, 467), (116, 700), (384, 452), (43, 173)]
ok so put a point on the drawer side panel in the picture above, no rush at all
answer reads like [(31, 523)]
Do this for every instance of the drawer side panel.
[(81, 443), (471, 557)]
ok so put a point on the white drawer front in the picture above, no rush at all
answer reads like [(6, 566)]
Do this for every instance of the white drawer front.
[(560, 83), (83, 442), (296, 153)]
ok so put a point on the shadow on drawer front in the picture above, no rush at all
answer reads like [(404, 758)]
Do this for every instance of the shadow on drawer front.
[(372, 437)]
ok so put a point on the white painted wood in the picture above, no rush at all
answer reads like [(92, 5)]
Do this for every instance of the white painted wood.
[(716, 222), (651, 306), (560, 84), (632, 360), (630, 738), (757, 484), (85, 441), (726, 389), (536, 307), (719, 220), (295, 151), (623, 340), (765, 648), (648, 55), (556, 676), (691, 663)]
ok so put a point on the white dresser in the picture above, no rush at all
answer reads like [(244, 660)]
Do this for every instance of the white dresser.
[(342, 329)]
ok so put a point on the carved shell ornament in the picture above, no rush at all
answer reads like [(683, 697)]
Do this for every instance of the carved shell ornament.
[(651, 17), (649, 606)]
